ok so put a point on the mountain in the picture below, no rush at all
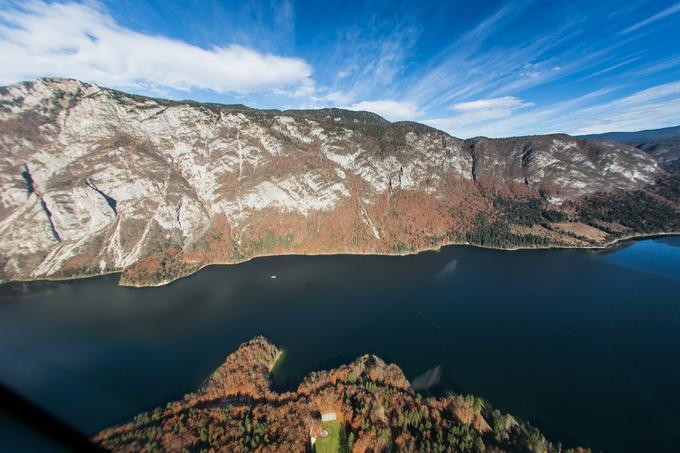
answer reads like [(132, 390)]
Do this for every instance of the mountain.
[(374, 407), (98, 181), (662, 144), (650, 135)]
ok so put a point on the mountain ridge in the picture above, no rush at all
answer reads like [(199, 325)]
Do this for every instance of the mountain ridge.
[(662, 144), (98, 181), (664, 133)]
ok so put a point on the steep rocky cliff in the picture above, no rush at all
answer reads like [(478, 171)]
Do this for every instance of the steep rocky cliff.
[(94, 181)]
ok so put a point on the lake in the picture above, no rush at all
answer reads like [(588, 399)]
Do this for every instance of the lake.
[(583, 344)]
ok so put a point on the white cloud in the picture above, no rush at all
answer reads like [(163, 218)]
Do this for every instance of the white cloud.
[(645, 116), (79, 41), (479, 111), (337, 97), (476, 65), (392, 110), (650, 94), (504, 103), (651, 108), (658, 16), (305, 88), (594, 112)]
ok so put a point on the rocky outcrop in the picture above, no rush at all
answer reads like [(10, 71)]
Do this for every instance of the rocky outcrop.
[(373, 401), (96, 181), (662, 144), (666, 153)]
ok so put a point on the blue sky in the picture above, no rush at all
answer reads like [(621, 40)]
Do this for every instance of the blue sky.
[(490, 68)]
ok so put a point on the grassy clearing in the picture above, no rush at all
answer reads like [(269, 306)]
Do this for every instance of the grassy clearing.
[(330, 444)]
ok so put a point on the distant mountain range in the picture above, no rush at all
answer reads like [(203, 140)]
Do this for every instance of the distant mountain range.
[(663, 144), (651, 135), (97, 181)]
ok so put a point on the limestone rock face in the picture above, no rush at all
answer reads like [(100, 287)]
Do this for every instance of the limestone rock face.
[(94, 181)]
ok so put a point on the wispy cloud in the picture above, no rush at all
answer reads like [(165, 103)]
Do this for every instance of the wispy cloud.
[(76, 40), (672, 63), (650, 108), (389, 109), (478, 111), (484, 83), (504, 103), (471, 65), (509, 68), (650, 20), (371, 61), (658, 106), (537, 120)]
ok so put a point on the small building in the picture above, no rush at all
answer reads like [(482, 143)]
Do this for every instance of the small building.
[(318, 431), (328, 417)]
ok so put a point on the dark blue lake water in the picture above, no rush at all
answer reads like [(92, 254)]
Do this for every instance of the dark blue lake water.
[(584, 344)]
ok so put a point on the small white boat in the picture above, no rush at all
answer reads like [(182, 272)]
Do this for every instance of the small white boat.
[(273, 276)]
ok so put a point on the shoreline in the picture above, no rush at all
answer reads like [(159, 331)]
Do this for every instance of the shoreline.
[(609, 244)]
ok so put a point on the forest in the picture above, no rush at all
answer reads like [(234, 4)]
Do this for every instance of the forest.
[(236, 410)]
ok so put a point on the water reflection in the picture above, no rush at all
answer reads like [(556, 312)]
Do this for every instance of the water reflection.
[(447, 270), (428, 379)]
